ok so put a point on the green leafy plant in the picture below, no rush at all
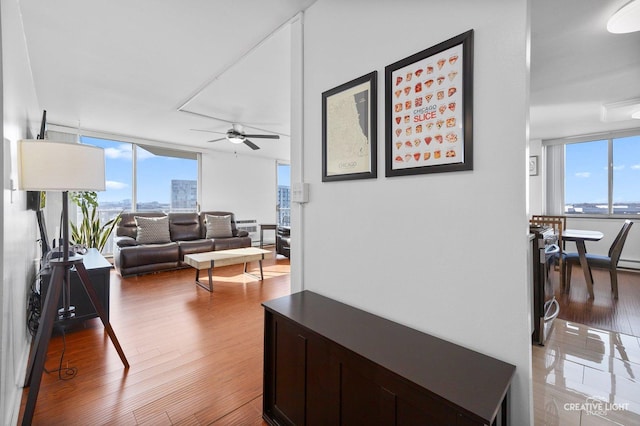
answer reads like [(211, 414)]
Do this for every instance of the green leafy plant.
[(90, 232)]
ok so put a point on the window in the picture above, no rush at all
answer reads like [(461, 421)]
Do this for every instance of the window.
[(164, 180), (284, 194), (601, 176)]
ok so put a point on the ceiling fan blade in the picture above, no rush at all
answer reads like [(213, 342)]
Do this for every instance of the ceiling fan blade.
[(208, 131), (251, 145), (216, 140), (263, 136)]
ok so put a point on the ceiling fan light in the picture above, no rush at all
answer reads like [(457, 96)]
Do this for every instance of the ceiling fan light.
[(625, 20), (236, 139)]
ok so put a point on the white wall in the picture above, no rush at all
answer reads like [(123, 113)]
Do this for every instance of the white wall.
[(244, 185), (19, 230), (442, 253)]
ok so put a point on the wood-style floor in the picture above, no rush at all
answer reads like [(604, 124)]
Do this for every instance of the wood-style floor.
[(196, 357), (603, 311)]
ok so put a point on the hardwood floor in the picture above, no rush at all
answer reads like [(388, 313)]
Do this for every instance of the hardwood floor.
[(603, 311), (196, 357)]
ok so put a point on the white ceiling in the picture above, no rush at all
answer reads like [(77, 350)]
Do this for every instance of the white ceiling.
[(157, 70), (577, 67)]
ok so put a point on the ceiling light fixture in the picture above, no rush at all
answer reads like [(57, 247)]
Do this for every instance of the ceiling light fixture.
[(235, 138), (625, 20)]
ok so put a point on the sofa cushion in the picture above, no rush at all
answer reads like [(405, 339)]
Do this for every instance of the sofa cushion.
[(219, 226), (194, 246), (231, 243), (184, 226), (152, 230)]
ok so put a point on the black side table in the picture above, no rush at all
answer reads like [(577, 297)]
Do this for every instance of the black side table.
[(268, 227), (98, 269)]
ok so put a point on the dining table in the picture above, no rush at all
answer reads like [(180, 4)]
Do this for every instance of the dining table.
[(579, 236)]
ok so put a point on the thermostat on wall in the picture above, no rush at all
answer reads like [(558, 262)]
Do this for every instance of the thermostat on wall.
[(300, 192)]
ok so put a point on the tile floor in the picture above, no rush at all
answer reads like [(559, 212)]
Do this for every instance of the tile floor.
[(586, 376)]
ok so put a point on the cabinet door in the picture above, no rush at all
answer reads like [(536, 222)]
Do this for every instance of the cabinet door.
[(289, 378), (323, 382)]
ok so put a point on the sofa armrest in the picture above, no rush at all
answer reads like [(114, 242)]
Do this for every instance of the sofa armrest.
[(125, 241), (241, 233)]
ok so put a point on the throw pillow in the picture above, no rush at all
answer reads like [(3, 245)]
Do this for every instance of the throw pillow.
[(152, 230), (219, 226)]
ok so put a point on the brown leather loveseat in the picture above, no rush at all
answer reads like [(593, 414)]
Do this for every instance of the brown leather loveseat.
[(152, 241)]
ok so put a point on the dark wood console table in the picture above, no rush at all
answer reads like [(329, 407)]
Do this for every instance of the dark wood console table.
[(329, 363), (98, 269)]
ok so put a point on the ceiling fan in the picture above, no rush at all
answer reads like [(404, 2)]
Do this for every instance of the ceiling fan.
[(237, 135)]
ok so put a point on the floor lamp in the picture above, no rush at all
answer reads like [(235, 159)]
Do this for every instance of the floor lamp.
[(57, 166)]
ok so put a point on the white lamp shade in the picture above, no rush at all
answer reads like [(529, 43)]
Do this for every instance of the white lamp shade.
[(45, 165)]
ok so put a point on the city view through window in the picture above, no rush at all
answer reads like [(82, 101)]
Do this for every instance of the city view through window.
[(167, 183), (603, 176), (162, 182), (284, 195)]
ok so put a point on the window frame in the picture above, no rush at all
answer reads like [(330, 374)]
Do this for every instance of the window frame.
[(553, 163)]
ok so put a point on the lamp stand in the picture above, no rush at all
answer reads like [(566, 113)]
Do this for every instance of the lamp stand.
[(61, 269)]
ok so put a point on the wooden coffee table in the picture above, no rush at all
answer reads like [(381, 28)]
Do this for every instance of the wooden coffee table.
[(207, 260)]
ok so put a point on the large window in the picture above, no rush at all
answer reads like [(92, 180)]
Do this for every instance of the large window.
[(149, 178), (601, 176)]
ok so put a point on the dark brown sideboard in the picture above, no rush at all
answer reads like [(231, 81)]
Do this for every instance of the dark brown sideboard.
[(98, 269), (327, 363)]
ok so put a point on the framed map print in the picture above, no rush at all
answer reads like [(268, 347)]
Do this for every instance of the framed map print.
[(349, 143), (429, 110)]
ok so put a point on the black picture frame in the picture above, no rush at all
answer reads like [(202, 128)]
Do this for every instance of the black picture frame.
[(349, 130), (429, 110)]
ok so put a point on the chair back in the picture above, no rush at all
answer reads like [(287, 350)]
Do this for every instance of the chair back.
[(616, 248), (539, 219), (558, 223)]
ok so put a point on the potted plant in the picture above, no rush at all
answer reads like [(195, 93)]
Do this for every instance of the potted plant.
[(90, 232)]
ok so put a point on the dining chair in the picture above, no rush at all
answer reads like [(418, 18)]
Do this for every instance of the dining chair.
[(551, 217), (609, 262), (558, 223)]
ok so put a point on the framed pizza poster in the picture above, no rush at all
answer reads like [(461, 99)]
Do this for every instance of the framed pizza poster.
[(349, 127), (429, 110)]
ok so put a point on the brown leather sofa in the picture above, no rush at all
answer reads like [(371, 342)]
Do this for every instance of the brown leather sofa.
[(187, 233), (283, 241)]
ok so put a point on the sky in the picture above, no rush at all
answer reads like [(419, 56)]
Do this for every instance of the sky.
[(586, 171), (155, 173)]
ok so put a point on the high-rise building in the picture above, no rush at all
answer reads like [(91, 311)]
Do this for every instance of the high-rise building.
[(184, 195), (284, 205)]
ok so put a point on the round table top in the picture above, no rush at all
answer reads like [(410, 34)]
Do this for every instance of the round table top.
[(582, 234)]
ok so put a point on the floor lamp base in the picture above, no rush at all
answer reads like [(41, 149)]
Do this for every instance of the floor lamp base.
[(37, 357)]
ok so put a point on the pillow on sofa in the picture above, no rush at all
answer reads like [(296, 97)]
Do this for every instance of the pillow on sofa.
[(152, 230), (219, 226)]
